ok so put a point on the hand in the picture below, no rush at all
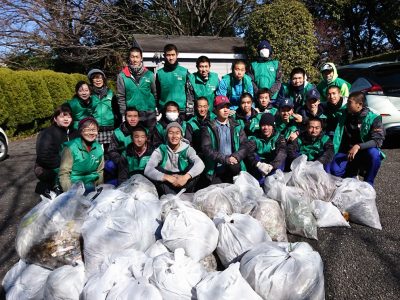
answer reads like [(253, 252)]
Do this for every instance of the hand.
[(170, 178), (353, 151), (264, 168), (293, 136), (232, 160), (181, 180), (297, 118)]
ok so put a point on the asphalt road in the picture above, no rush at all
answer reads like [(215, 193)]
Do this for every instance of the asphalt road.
[(359, 262)]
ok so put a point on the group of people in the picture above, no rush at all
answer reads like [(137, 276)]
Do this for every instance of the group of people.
[(187, 131)]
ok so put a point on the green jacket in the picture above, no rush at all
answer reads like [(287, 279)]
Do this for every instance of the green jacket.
[(286, 129), (287, 91), (336, 81), (103, 112), (253, 123), (85, 163), (265, 148), (315, 150), (231, 92), (136, 164), (79, 110), (172, 87), (203, 88), (138, 94), (364, 130), (122, 139), (183, 161), (265, 74)]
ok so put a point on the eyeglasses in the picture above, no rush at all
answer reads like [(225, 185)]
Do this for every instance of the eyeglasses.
[(87, 130)]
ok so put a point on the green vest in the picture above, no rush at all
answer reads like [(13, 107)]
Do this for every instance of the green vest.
[(122, 139), (314, 150), (205, 88), (265, 74), (254, 122), (286, 129), (290, 93), (265, 148), (162, 131), (272, 111), (80, 112), (246, 81), (210, 164), (364, 133), (139, 94), (136, 164), (173, 86), (183, 161), (84, 163), (194, 122), (103, 112)]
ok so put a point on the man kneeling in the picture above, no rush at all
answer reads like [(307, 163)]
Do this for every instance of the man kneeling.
[(174, 165)]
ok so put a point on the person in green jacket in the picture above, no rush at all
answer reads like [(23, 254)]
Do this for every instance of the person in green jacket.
[(81, 104), (263, 102), (136, 156), (313, 143), (357, 141), (234, 84), (287, 122), (330, 77), (103, 102), (172, 83), (82, 159), (246, 115), (136, 87), (297, 88), (203, 83), (266, 72)]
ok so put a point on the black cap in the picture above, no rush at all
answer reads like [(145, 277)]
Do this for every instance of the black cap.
[(267, 119)]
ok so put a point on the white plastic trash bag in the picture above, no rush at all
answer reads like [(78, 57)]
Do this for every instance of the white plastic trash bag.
[(134, 289), (156, 249), (270, 215), (238, 233), (249, 188), (138, 184), (49, 234), (357, 198), (65, 283), (24, 281), (107, 201), (311, 177), (328, 215), (274, 185), (284, 271), (226, 285), (176, 275), (190, 229), (218, 198)]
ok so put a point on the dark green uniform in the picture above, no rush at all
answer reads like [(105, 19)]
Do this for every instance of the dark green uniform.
[(203, 88)]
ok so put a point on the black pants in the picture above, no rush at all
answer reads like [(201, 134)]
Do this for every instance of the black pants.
[(226, 173), (164, 187), (47, 179)]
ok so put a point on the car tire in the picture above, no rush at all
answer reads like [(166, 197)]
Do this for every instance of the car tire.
[(3, 148)]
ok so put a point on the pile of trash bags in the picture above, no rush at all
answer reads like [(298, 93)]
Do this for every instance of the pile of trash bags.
[(227, 241)]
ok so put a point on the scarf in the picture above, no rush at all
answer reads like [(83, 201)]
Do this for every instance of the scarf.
[(168, 67), (137, 72), (101, 92)]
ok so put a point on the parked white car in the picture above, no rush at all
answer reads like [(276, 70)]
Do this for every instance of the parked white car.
[(3, 144), (381, 83)]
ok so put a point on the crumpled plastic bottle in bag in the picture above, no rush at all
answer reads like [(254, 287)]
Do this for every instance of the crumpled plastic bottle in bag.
[(49, 234), (328, 215), (226, 285), (218, 198), (357, 199), (176, 275), (65, 283), (25, 281), (237, 234), (270, 215), (282, 271)]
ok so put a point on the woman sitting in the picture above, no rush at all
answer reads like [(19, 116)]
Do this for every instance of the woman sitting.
[(82, 158), (48, 148), (174, 165)]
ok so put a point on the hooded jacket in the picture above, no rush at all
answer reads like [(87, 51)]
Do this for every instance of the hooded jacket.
[(336, 81)]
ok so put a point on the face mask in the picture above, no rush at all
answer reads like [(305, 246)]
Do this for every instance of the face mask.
[(172, 116), (264, 53)]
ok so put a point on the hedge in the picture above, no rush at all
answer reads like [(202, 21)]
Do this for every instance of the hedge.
[(28, 98)]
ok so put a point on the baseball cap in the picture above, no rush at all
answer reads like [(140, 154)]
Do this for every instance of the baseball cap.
[(326, 67), (313, 94), (287, 102), (220, 101)]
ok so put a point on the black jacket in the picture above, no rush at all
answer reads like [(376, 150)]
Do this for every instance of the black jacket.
[(48, 145)]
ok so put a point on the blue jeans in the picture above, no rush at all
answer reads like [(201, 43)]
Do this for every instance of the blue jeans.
[(368, 160)]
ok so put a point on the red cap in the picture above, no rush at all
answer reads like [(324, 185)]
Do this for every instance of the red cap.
[(220, 101)]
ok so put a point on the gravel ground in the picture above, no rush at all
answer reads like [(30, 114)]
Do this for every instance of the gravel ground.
[(359, 262)]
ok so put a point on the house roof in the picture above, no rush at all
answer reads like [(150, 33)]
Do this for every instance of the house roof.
[(191, 44)]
